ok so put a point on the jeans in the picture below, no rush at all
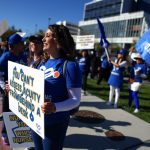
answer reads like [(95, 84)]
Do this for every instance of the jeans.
[(54, 137), (84, 81)]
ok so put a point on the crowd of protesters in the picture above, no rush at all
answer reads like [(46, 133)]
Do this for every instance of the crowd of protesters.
[(62, 93), (123, 63), (52, 50)]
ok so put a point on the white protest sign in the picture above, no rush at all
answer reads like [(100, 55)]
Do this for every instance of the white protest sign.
[(26, 95), (3, 27), (85, 42), (18, 132)]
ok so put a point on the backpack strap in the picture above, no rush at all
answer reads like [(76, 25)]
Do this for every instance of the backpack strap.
[(36, 64), (76, 109), (64, 67)]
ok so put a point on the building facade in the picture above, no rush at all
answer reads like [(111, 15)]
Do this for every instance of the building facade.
[(124, 21), (73, 28), (106, 8)]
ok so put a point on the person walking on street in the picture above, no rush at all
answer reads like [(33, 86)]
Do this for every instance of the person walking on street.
[(84, 65)]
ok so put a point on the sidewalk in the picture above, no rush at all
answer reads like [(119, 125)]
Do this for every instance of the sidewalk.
[(83, 136), (87, 136)]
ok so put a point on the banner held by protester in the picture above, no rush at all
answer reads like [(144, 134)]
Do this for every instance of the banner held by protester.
[(19, 133), (26, 95), (143, 47)]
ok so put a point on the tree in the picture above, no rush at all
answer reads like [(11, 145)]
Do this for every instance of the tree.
[(9, 32), (40, 32)]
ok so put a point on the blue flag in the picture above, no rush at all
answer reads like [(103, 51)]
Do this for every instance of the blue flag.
[(143, 47), (103, 42)]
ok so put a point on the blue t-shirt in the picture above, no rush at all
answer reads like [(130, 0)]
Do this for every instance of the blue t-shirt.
[(104, 63), (84, 64), (34, 64), (116, 76), (21, 59), (142, 70), (56, 84)]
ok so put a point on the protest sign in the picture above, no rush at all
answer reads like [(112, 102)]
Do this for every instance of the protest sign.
[(18, 132), (26, 95), (85, 42)]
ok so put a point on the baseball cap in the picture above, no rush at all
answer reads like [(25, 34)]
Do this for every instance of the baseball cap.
[(135, 56), (138, 56), (122, 52), (15, 39)]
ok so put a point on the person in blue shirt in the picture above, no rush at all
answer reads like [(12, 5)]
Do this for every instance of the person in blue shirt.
[(116, 77), (15, 54), (62, 92), (3, 47), (84, 65), (94, 64), (104, 69), (35, 57), (137, 72)]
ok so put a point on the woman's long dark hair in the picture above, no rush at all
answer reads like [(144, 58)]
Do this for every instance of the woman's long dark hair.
[(65, 42), (42, 55)]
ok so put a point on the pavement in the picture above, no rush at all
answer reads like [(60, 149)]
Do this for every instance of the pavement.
[(91, 136)]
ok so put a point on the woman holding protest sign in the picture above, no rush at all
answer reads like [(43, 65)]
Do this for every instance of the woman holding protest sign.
[(62, 91), (35, 57)]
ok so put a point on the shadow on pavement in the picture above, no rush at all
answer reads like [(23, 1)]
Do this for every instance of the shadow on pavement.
[(145, 144), (92, 142), (98, 141), (106, 125), (99, 105)]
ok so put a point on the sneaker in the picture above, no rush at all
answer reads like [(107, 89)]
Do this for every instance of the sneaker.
[(115, 106), (29, 148), (109, 103), (5, 140), (136, 110), (84, 94)]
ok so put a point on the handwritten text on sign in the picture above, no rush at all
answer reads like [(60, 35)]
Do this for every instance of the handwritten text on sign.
[(18, 132), (26, 95)]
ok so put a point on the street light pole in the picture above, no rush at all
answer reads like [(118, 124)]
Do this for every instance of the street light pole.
[(49, 19), (36, 26)]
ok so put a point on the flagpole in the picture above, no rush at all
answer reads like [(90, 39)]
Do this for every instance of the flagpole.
[(106, 51)]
